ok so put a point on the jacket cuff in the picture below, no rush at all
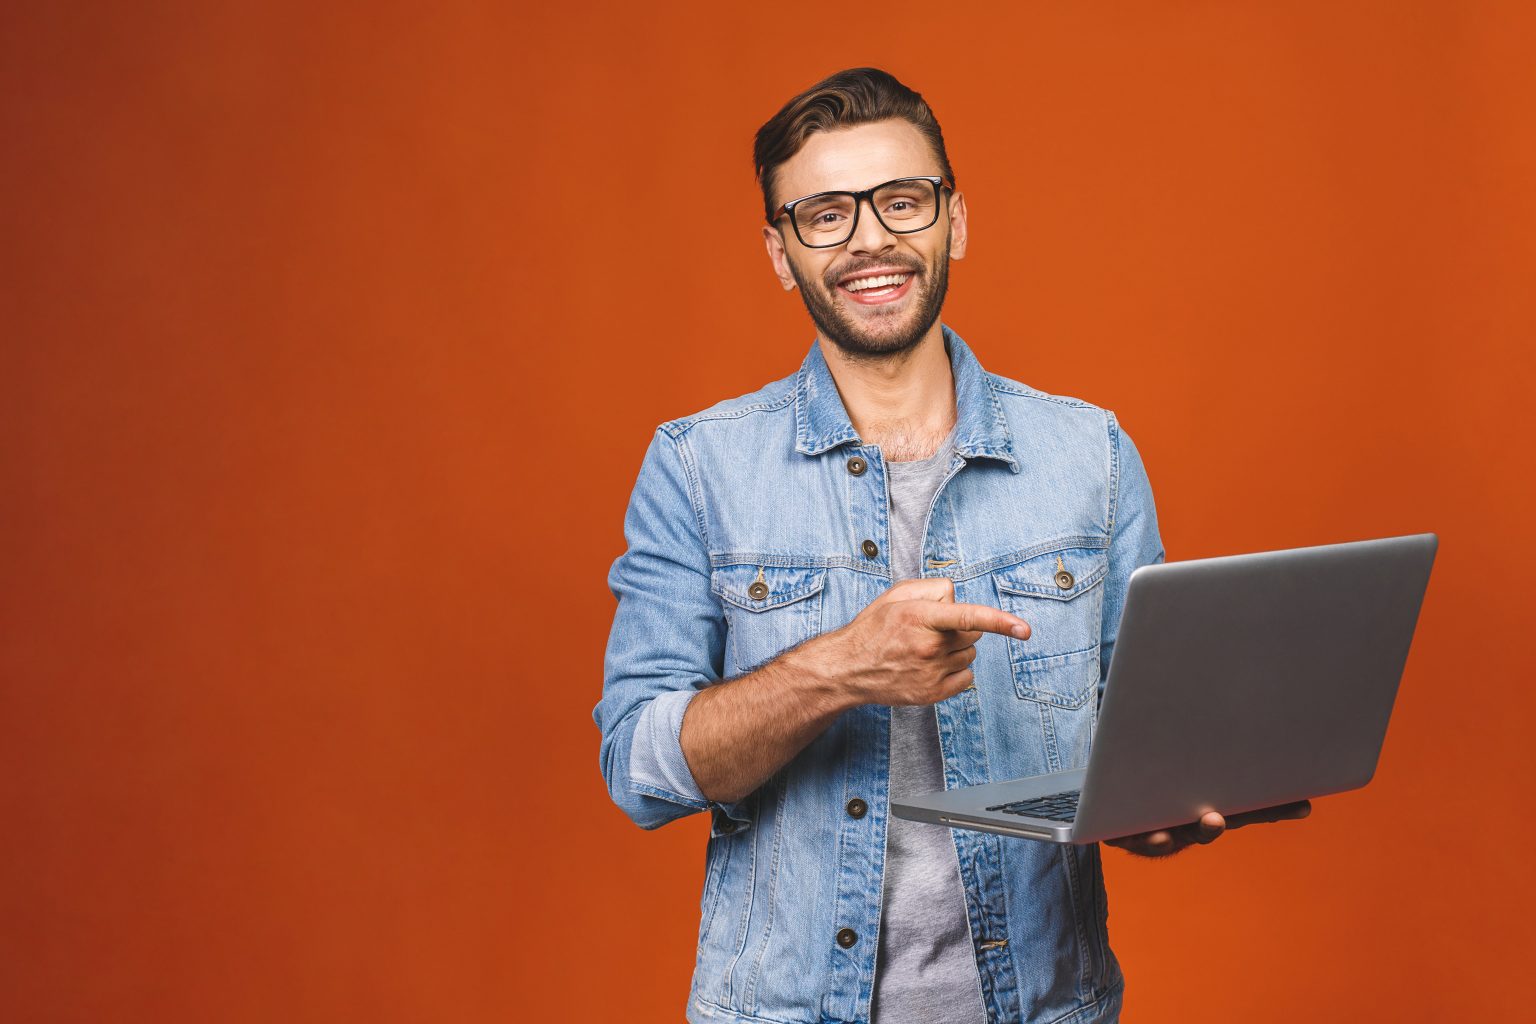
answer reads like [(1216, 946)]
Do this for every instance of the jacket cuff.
[(657, 766)]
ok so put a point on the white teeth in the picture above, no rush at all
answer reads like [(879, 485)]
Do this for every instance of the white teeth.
[(883, 281)]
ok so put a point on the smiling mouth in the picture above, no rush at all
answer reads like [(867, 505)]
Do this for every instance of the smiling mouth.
[(877, 288)]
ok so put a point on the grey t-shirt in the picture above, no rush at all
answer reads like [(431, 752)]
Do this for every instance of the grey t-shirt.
[(925, 969)]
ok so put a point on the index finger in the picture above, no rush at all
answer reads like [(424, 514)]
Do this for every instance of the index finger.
[(975, 617)]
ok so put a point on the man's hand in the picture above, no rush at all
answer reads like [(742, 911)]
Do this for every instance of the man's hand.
[(1167, 841), (911, 645)]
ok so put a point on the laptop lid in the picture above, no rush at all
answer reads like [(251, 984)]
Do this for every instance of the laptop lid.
[(1251, 680)]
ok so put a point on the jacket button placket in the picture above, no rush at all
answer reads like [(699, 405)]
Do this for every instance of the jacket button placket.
[(857, 894), (864, 473)]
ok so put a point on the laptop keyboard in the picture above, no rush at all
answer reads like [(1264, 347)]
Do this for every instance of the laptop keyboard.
[(1056, 807)]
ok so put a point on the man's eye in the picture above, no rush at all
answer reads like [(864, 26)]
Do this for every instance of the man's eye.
[(829, 217)]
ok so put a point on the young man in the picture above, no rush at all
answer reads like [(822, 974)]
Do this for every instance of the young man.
[(889, 573)]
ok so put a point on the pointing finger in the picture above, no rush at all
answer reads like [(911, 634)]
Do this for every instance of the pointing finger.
[(973, 617)]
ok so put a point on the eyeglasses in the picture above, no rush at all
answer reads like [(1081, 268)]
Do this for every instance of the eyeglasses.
[(902, 207)]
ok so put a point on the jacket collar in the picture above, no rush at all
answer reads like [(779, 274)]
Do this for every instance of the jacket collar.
[(821, 421)]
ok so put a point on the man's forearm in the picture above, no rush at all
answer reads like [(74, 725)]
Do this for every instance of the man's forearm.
[(736, 734)]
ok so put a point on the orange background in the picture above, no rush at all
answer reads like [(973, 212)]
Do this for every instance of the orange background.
[(330, 342)]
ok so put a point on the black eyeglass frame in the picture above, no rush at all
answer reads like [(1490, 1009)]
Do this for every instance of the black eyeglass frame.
[(939, 182)]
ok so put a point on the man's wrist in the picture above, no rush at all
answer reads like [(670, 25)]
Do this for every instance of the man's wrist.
[(821, 672)]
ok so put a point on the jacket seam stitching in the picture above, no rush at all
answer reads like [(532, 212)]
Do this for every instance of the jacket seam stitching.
[(1079, 1013), (1020, 390), (1075, 882), (749, 997), (695, 491), (967, 572), (744, 929), (1113, 426), (722, 865), (663, 794), (678, 427), (740, 1014)]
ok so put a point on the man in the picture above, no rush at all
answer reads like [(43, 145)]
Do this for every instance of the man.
[(889, 573)]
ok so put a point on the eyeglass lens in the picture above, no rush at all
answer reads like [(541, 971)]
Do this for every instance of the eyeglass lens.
[(902, 206)]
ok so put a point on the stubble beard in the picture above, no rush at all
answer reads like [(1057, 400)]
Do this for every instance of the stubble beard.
[(842, 330)]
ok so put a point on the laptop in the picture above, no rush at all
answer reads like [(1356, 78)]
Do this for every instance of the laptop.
[(1237, 683)]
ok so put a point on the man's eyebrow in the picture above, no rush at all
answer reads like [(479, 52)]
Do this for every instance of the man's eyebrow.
[(823, 193), (908, 178)]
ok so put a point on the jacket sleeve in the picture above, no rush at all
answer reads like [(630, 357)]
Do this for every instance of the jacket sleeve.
[(1133, 536), (667, 643)]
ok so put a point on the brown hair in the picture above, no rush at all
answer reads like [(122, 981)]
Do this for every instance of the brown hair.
[(852, 97)]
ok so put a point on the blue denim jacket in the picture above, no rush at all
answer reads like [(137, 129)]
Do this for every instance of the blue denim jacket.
[(758, 489)]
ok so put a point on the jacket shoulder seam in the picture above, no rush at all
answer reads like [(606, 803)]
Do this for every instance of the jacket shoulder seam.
[(1012, 387), (726, 411)]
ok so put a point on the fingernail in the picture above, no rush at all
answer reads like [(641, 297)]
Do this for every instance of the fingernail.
[(1022, 632)]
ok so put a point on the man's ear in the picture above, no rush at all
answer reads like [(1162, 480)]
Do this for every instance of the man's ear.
[(958, 235), (778, 257)]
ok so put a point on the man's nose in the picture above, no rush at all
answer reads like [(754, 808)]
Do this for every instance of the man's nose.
[(870, 237)]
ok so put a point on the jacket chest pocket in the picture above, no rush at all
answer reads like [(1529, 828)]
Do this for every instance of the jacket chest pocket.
[(768, 609), (1060, 595)]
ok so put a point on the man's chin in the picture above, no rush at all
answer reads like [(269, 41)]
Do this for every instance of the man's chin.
[(870, 332), (873, 345)]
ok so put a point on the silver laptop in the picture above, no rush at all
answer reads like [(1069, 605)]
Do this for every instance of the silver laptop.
[(1237, 683)]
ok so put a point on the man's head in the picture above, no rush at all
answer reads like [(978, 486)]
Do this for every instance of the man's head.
[(852, 132)]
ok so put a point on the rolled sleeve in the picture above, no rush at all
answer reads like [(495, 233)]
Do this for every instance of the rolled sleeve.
[(667, 643), (1134, 540), (656, 762)]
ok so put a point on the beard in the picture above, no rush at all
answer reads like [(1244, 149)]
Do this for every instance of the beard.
[(889, 332)]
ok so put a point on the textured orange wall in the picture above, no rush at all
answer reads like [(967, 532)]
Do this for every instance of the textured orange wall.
[(330, 341)]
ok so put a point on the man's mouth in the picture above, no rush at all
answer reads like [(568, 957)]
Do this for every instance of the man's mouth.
[(874, 288)]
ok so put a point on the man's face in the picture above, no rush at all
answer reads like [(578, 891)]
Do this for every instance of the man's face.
[(862, 322)]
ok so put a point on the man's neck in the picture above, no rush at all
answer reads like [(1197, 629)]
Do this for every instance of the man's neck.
[(904, 403)]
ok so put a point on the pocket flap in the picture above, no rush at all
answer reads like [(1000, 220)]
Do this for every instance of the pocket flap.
[(1060, 575), (759, 588)]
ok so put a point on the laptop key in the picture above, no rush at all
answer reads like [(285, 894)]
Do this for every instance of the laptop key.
[(1055, 807)]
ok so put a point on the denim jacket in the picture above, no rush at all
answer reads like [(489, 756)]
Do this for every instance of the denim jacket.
[(752, 528)]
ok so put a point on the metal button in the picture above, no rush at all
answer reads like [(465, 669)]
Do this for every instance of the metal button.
[(759, 589), (1064, 579), (857, 466), (857, 808), (729, 827), (870, 549), (846, 937)]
